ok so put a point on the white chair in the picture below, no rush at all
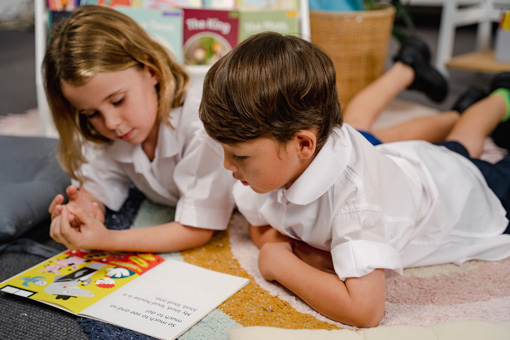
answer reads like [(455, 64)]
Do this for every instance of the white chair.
[(483, 13)]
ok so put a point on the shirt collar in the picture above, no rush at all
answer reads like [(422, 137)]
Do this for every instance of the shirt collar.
[(328, 165)]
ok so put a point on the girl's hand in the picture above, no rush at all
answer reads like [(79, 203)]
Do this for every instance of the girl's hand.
[(84, 232), (271, 256), (75, 196), (55, 208)]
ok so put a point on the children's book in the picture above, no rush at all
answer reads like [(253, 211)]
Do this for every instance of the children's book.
[(171, 4), (208, 35), (164, 26), (252, 22), (61, 5), (267, 4), (220, 4), (139, 291)]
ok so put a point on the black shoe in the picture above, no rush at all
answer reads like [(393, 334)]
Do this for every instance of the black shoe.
[(501, 134), (415, 53), (500, 80), (472, 95)]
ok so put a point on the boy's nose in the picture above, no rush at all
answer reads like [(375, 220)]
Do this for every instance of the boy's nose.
[(227, 164)]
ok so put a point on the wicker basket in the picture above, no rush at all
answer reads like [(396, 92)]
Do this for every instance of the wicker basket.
[(358, 44)]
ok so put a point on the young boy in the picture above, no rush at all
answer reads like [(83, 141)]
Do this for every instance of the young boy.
[(272, 104)]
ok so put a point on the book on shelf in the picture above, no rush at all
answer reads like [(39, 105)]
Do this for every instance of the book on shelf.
[(170, 4), (201, 36), (253, 22), (139, 291), (257, 5), (62, 5), (208, 35), (164, 26)]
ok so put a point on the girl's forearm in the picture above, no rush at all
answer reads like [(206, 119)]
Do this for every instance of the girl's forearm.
[(168, 237)]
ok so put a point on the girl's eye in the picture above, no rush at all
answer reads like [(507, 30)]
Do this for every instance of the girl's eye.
[(239, 158), (92, 115), (118, 102)]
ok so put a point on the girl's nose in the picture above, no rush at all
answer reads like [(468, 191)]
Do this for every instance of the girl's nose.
[(111, 119)]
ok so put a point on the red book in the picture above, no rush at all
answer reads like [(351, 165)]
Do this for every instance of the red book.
[(208, 35)]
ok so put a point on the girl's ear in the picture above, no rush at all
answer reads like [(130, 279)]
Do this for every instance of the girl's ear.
[(307, 142), (152, 74)]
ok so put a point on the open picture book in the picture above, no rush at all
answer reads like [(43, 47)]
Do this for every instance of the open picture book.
[(139, 291)]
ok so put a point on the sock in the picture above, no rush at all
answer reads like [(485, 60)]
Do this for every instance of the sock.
[(505, 94)]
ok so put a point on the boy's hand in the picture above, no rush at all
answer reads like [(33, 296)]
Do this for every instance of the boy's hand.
[(77, 229), (271, 256)]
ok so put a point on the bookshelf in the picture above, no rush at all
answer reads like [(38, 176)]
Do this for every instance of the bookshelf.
[(196, 72)]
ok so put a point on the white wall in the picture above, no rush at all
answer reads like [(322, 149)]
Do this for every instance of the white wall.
[(11, 9)]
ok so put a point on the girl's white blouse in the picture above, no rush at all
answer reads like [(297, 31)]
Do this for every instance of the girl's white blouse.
[(187, 171), (393, 206)]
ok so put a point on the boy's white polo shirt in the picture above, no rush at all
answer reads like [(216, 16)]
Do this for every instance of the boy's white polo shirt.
[(374, 211), (187, 172)]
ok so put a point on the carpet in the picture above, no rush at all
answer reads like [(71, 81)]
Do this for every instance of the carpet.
[(475, 291)]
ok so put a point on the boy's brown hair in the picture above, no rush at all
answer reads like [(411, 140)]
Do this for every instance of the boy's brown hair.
[(271, 86)]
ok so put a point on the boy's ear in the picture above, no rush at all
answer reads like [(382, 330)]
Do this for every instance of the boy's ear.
[(307, 142)]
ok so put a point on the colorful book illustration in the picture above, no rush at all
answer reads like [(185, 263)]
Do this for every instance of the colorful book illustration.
[(62, 5), (208, 35), (252, 22), (219, 4), (255, 5), (164, 26), (170, 4), (139, 291)]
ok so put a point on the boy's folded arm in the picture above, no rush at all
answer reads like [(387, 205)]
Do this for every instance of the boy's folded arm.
[(261, 235), (357, 301)]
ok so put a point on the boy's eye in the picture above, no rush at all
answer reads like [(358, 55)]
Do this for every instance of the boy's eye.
[(239, 158)]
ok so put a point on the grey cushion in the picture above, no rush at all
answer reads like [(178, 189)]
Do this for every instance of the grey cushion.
[(30, 177)]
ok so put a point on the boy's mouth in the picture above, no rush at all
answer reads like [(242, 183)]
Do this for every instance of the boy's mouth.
[(240, 180)]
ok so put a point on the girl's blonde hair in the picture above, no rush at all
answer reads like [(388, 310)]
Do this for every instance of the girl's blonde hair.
[(100, 39)]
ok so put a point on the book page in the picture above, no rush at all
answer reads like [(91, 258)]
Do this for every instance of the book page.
[(76, 279), (167, 300)]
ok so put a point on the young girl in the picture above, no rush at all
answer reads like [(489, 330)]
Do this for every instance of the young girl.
[(121, 106)]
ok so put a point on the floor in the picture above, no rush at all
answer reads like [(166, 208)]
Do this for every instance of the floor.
[(17, 64)]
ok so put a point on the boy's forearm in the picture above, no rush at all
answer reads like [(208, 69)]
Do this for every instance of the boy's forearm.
[(358, 301)]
